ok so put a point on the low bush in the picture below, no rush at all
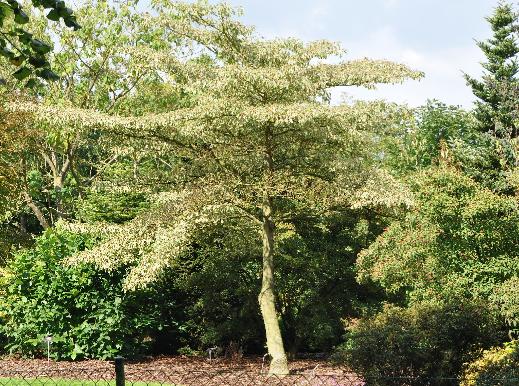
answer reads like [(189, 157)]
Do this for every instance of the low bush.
[(423, 341), (496, 367)]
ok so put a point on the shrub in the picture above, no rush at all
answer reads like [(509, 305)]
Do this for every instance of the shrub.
[(423, 341), (496, 367), (506, 299), (460, 238), (82, 307)]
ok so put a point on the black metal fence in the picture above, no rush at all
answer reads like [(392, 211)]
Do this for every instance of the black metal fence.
[(115, 374)]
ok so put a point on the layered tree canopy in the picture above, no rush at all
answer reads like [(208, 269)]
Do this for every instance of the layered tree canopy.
[(258, 141), (182, 157)]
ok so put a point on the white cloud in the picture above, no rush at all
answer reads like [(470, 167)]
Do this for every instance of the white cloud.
[(442, 67)]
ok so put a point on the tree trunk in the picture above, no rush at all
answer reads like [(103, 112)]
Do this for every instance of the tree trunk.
[(37, 212), (276, 350), (58, 190)]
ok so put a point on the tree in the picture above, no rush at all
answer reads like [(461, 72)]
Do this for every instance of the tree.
[(448, 135), (114, 55), (495, 111), (15, 142), (460, 241), (314, 274), (433, 137), (259, 141)]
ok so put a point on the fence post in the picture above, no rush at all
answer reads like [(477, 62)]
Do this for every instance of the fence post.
[(119, 371)]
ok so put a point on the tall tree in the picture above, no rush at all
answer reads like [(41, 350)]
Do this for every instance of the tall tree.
[(495, 110), (109, 60), (259, 141)]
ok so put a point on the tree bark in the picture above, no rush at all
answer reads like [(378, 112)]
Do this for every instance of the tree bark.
[(59, 173), (276, 349), (37, 211)]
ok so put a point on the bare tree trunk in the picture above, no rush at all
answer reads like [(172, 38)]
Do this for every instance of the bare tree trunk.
[(59, 174), (37, 211), (58, 188), (276, 349)]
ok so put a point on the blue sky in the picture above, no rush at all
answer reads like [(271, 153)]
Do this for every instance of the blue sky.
[(434, 36)]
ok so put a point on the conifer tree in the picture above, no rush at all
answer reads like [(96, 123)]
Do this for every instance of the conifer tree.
[(494, 110)]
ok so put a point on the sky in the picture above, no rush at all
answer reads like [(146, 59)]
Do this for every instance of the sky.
[(433, 36)]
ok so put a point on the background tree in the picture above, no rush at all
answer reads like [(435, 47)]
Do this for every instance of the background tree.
[(495, 111), (459, 242), (114, 55), (448, 135), (16, 144)]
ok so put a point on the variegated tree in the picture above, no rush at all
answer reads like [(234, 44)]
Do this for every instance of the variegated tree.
[(259, 140), (114, 56)]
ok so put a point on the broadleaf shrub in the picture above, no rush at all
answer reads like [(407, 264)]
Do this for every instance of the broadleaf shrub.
[(82, 307), (426, 340), (498, 366)]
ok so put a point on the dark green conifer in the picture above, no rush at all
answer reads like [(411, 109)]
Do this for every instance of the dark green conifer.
[(498, 90)]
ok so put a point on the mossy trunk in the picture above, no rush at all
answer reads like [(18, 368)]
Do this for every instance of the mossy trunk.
[(276, 349)]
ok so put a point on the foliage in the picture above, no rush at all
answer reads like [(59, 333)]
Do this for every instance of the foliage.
[(459, 240), (15, 142), (496, 109), (316, 284), (251, 138), (448, 135), (506, 299), (20, 47), (496, 367), (425, 340), (430, 138), (211, 166), (112, 64), (84, 309), (111, 207)]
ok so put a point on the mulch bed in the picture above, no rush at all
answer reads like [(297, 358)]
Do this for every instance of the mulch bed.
[(182, 370)]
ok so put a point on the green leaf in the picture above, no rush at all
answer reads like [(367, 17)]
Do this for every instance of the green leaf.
[(48, 74), (13, 4), (24, 36), (47, 3), (32, 83), (38, 61), (65, 12), (22, 73), (71, 22), (20, 17), (53, 15), (40, 47)]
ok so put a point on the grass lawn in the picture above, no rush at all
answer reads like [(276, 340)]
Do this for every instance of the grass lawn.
[(69, 382)]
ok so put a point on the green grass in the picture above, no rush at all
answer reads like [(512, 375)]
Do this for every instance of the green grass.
[(69, 382)]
